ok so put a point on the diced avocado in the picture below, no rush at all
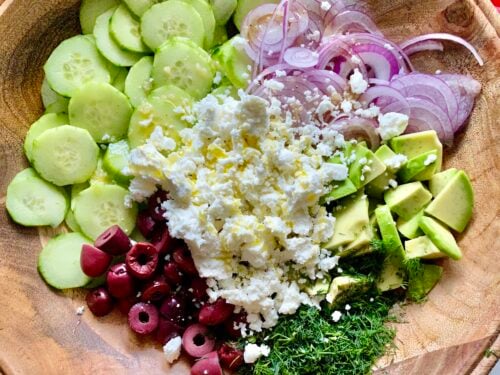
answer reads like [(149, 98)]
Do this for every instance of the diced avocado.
[(415, 144), (343, 288), (392, 275), (441, 237), (408, 199), (340, 189), (361, 242), (320, 287), (421, 282), (440, 180), (379, 185), (351, 220), (422, 247), (388, 231), (418, 167), (366, 167), (454, 204), (410, 228), (384, 153)]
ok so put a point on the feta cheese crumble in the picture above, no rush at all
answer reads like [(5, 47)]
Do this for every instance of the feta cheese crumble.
[(357, 83), (336, 316), (253, 352), (392, 124), (430, 159), (172, 349)]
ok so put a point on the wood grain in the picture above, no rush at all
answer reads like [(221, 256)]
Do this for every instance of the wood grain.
[(40, 332)]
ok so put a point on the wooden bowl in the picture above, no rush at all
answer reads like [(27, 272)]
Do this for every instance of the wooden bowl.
[(40, 332)]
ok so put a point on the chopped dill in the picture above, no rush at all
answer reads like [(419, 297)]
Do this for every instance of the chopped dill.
[(309, 342)]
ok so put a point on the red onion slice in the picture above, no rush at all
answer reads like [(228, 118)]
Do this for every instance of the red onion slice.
[(323, 79), (351, 21), (382, 62), (384, 96), (358, 128), (430, 88), (299, 57), (444, 36), (426, 45), (428, 116)]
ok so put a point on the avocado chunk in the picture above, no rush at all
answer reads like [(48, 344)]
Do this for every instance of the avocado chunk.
[(408, 199), (422, 247), (421, 282), (392, 275), (410, 228), (320, 287), (441, 237), (415, 144), (340, 190), (417, 167), (361, 242), (440, 180), (366, 166), (350, 222), (379, 185), (454, 204), (344, 288)]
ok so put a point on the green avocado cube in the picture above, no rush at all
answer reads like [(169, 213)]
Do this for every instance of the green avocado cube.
[(440, 180), (366, 167), (454, 203), (340, 190), (418, 167), (407, 199), (441, 237), (388, 231), (343, 288), (392, 274), (415, 144), (421, 282), (410, 228), (320, 287), (422, 247)]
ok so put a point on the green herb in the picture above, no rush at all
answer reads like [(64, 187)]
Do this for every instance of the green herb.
[(309, 342)]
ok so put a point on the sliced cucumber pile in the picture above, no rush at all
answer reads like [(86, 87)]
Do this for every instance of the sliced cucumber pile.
[(138, 65)]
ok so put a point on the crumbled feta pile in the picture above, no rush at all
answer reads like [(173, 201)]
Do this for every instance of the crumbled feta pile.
[(245, 190), (172, 349), (253, 352)]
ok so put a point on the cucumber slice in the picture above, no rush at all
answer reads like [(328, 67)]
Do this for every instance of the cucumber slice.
[(169, 19), (150, 114), (65, 155), (78, 188), (108, 47), (174, 95), (234, 62), (59, 261), (102, 110), (91, 9), (246, 6), (208, 18), (119, 81), (139, 83), (182, 63), (220, 36), (48, 121), (52, 100), (100, 176), (31, 201), (138, 7), (116, 160), (125, 29), (71, 223), (73, 63), (223, 10), (102, 206)]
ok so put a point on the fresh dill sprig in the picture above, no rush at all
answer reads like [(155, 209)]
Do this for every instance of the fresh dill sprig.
[(310, 343)]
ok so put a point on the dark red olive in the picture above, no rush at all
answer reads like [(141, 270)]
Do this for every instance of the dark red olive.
[(161, 239), (155, 290), (167, 330), (142, 260), (215, 313), (154, 205), (99, 302), (94, 262), (207, 365), (174, 308), (172, 273), (120, 282), (124, 305), (114, 241), (183, 259), (198, 289), (197, 341), (145, 224), (230, 357), (232, 325), (143, 318)]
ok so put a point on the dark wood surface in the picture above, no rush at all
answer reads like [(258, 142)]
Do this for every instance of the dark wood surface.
[(40, 332)]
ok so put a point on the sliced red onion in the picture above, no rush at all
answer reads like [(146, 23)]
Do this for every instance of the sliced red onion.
[(358, 128), (386, 98), (428, 116), (351, 21), (299, 57), (382, 62), (430, 88), (323, 79), (444, 36), (426, 45), (465, 89), (378, 82)]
